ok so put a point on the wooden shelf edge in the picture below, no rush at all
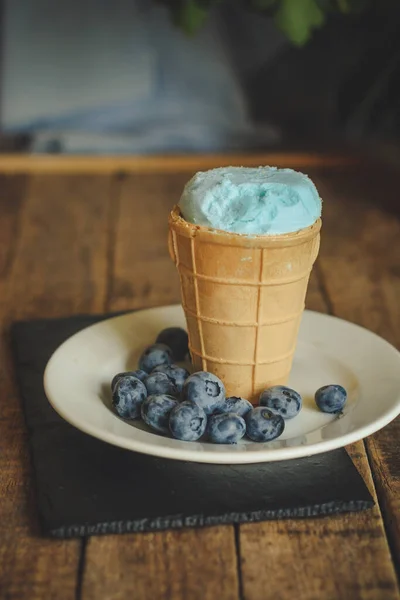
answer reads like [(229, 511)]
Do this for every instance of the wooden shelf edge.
[(76, 164)]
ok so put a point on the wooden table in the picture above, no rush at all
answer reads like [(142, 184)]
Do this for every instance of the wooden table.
[(89, 235)]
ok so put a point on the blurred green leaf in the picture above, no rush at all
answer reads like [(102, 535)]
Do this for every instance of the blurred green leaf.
[(191, 15), (297, 19)]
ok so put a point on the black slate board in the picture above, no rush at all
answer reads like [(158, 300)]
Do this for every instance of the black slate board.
[(87, 487)]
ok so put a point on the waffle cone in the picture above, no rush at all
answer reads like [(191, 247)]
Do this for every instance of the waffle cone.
[(243, 298)]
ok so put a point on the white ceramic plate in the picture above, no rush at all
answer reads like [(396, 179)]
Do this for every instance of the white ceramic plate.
[(77, 383)]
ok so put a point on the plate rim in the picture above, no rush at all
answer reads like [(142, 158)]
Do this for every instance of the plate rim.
[(228, 456)]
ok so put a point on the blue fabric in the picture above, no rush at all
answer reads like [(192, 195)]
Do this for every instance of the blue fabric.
[(192, 98)]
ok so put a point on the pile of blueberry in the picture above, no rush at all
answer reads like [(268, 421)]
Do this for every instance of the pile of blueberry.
[(171, 401)]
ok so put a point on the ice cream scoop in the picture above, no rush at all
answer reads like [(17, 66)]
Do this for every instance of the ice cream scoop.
[(252, 201), (244, 242)]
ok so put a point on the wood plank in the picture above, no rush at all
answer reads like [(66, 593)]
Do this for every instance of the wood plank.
[(360, 261), (169, 163), (344, 556), (61, 259), (143, 273), (195, 564), (56, 265), (12, 196), (140, 246)]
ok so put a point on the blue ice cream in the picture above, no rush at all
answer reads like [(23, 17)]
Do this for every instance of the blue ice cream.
[(253, 201)]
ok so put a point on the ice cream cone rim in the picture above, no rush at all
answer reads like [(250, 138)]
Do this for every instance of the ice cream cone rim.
[(218, 236)]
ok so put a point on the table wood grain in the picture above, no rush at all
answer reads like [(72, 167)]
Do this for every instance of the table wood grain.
[(87, 235)]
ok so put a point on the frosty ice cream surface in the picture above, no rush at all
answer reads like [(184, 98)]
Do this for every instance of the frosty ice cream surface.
[(252, 201)]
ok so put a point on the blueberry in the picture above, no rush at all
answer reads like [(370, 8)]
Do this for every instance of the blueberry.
[(263, 425), (177, 339), (226, 428), (155, 355), (187, 421), (139, 374), (160, 383), (205, 389), (128, 395), (234, 404), (156, 411), (177, 375), (331, 398), (282, 400)]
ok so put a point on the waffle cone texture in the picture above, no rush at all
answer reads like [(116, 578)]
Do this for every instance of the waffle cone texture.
[(243, 298)]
